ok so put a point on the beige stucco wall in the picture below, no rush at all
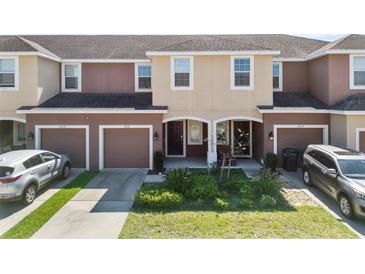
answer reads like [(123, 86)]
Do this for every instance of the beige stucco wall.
[(338, 130), (353, 122), (212, 97), (38, 81)]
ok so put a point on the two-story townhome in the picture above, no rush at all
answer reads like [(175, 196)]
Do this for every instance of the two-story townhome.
[(122, 98)]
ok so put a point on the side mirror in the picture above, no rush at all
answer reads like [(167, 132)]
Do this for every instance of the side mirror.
[(331, 171)]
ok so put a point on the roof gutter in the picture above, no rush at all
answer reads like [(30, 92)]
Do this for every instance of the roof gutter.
[(90, 111), (310, 110), (190, 53)]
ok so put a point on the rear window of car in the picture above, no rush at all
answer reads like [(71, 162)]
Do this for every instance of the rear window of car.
[(6, 171)]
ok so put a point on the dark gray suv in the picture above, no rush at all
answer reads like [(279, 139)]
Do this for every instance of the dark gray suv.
[(340, 173)]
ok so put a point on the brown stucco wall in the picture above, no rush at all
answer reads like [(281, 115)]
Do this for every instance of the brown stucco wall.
[(295, 77), (319, 78), (293, 119), (94, 120), (108, 77)]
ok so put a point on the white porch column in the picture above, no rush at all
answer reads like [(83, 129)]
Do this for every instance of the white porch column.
[(212, 148)]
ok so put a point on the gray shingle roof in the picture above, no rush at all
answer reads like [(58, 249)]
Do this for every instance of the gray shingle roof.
[(295, 99), (353, 41), (139, 101), (135, 46), (13, 44), (352, 103)]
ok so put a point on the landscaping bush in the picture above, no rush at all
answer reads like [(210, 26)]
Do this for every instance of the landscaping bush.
[(247, 190), (179, 180), (271, 161), (245, 203), (240, 185), (158, 198), (267, 183), (204, 187), (197, 204), (158, 160), (267, 201), (223, 195), (221, 204)]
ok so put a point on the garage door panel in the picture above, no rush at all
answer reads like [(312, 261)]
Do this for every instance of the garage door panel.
[(126, 148), (362, 141), (298, 138), (70, 142)]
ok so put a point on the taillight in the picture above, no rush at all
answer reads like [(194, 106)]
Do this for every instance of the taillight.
[(9, 179)]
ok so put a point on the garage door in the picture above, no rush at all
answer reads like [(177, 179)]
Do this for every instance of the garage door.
[(126, 148), (70, 142), (298, 138), (362, 141)]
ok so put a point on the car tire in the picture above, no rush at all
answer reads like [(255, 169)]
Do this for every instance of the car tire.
[(29, 194), (346, 206), (66, 171), (306, 178)]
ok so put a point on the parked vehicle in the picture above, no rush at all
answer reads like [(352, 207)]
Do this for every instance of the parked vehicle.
[(338, 172), (24, 172)]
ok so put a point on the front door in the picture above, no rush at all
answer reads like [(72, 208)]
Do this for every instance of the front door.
[(241, 138), (175, 138)]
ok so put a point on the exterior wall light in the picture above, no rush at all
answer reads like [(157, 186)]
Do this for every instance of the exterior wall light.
[(30, 136), (271, 136), (155, 136)]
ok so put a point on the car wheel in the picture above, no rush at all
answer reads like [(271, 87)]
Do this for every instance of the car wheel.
[(29, 194), (346, 206), (306, 178), (66, 171)]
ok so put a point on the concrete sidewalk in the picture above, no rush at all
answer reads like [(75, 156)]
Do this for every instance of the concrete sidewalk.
[(12, 213), (356, 225), (98, 211)]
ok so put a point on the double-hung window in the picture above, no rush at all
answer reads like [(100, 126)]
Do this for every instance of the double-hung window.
[(357, 71), (182, 73), (71, 77), (8, 73), (242, 73), (195, 132), (277, 76), (143, 77)]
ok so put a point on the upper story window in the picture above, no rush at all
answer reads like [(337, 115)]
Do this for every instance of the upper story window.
[(277, 76), (182, 73), (143, 77), (9, 73), (242, 73), (357, 71), (71, 77)]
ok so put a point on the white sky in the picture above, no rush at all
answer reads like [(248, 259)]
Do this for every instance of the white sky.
[(181, 17)]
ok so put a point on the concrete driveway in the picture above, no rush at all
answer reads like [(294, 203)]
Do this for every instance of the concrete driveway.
[(98, 211), (358, 226), (13, 212)]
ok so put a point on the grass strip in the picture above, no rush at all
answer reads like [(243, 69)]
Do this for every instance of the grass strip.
[(36, 219)]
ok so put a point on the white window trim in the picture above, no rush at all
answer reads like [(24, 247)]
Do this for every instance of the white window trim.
[(101, 142), (189, 133), (16, 77), (352, 84), (64, 89), (227, 133), (191, 72), (38, 138), (16, 142), (358, 131), (280, 88), (252, 79), (136, 78), (276, 127)]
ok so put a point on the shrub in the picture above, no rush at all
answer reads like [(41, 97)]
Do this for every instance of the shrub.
[(267, 183), (158, 160), (221, 204), (241, 185), (179, 180), (245, 203), (204, 187), (267, 201), (271, 161), (197, 204), (223, 195), (247, 190), (158, 198)]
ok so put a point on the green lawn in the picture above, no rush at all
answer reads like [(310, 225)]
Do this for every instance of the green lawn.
[(204, 221), (35, 220)]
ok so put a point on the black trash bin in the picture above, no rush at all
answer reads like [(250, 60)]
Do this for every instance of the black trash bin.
[(290, 159)]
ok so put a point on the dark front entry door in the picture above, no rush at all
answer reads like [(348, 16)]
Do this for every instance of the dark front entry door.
[(175, 138)]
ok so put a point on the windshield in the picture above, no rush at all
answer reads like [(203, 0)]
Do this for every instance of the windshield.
[(352, 168), (6, 171)]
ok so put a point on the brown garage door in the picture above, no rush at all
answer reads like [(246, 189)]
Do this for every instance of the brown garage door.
[(362, 141), (126, 148), (298, 138), (70, 142)]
